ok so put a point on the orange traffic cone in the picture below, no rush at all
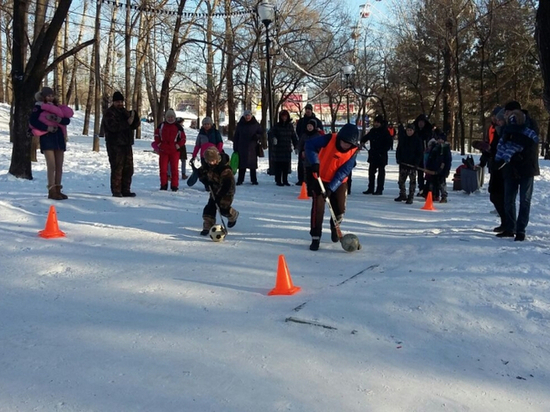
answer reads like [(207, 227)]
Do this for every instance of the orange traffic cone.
[(303, 192), (429, 204), (52, 229), (284, 285)]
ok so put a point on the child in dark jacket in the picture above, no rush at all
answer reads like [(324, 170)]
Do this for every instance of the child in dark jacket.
[(408, 155), (217, 177), (439, 162)]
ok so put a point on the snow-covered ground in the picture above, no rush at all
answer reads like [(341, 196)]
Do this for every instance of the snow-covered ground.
[(134, 311)]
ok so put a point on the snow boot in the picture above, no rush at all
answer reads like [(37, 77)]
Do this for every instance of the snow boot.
[(400, 198), (53, 193), (233, 222), (204, 232), (410, 200), (62, 195), (164, 187), (314, 244)]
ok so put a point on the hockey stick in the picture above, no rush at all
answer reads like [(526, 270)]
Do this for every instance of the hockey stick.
[(429, 172), (349, 242), (219, 211)]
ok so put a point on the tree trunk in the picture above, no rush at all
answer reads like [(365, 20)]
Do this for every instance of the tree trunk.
[(90, 97), (229, 72), (542, 35), (127, 57), (3, 80), (72, 82), (97, 78), (107, 81)]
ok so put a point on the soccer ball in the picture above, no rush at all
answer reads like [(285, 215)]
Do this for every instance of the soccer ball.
[(350, 243), (217, 233)]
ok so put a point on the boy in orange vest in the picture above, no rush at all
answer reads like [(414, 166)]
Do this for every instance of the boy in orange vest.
[(332, 157)]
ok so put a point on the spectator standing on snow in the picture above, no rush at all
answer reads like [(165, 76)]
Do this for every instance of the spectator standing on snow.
[(520, 171), (424, 129), (301, 128), (408, 155), (119, 125), (208, 136), (439, 161), (169, 137), (380, 143), (48, 120), (310, 133), (247, 138), (283, 140), (332, 157)]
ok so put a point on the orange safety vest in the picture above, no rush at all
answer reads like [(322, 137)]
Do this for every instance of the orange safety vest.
[(331, 159)]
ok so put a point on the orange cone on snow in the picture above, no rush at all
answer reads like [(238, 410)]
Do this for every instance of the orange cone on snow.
[(303, 192), (284, 285), (429, 204), (52, 229)]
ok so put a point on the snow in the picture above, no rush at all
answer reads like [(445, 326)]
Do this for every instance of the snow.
[(134, 311)]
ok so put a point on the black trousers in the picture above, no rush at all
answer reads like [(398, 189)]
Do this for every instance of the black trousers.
[(121, 159), (242, 174), (337, 201), (281, 172)]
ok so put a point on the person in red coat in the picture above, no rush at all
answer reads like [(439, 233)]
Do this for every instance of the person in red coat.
[(169, 137)]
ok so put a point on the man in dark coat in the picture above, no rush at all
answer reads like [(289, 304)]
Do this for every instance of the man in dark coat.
[(519, 173), (119, 125), (409, 154), (380, 143), (301, 128), (246, 139), (424, 130)]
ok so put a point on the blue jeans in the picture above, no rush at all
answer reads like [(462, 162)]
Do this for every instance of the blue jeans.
[(511, 186)]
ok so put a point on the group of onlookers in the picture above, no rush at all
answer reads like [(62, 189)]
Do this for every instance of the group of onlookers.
[(423, 156)]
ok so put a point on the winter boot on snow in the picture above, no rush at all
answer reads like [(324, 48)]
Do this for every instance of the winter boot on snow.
[(400, 198), (62, 195), (410, 200), (315, 242), (53, 193), (233, 221), (164, 187)]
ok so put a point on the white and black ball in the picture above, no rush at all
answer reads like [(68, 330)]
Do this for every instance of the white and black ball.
[(217, 233)]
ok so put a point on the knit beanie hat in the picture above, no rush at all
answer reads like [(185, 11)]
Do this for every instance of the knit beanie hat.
[(410, 126), (118, 97), (170, 113), (379, 119), (46, 91), (247, 113), (496, 110), (309, 106), (312, 122), (211, 154), (513, 105), (207, 120)]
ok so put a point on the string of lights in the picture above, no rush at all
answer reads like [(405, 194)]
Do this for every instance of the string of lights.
[(173, 12)]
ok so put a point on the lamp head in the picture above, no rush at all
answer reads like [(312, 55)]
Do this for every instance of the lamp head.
[(266, 11)]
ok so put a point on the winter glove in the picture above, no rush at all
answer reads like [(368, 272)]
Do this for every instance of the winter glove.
[(315, 168), (327, 193), (52, 129)]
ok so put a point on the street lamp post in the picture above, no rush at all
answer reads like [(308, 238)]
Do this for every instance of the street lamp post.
[(347, 71), (266, 11)]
